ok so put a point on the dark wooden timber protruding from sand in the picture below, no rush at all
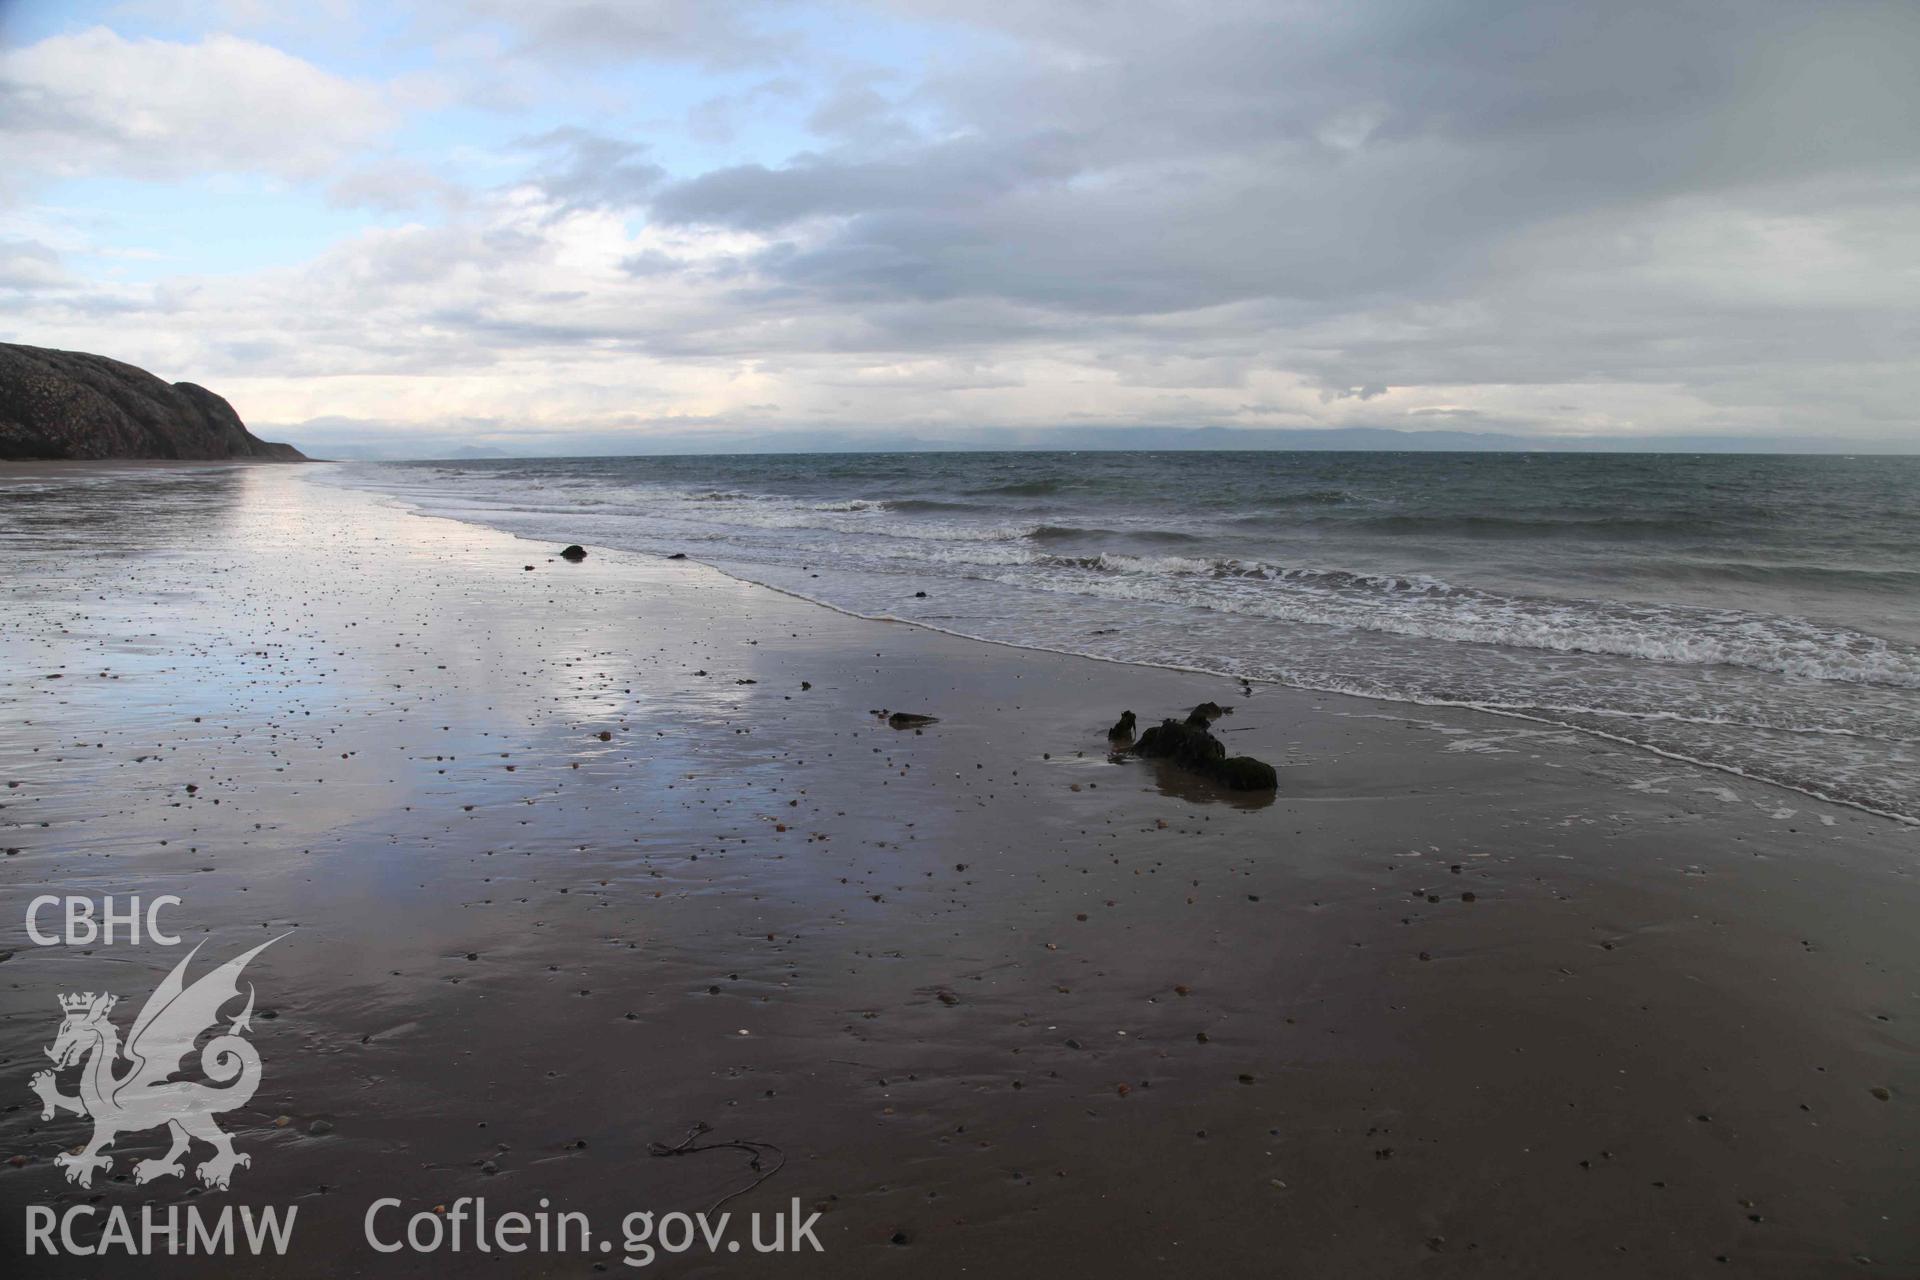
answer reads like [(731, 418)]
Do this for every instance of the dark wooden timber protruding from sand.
[(1191, 745)]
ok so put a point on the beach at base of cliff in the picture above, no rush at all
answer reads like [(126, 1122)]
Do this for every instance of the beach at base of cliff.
[(566, 860)]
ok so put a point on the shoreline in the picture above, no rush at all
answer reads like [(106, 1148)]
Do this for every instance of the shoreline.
[(1731, 770), (999, 1002)]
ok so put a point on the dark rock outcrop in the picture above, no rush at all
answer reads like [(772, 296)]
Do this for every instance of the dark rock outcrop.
[(574, 552), (1244, 773), (72, 405), (1189, 744)]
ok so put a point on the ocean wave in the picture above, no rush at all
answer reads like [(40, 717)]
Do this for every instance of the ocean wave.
[(1023, 488), (1064, 532), (1282, 519), (1106, 562), (1823, 576), (1526, 526), (1254, 571), (781, 515), (1415, 606), (910, 505), (1434, 611)]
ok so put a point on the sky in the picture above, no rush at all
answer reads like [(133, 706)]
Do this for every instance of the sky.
[(619, 225)]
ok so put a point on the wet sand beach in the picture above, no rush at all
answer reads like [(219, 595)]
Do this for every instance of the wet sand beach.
[(571, 858)]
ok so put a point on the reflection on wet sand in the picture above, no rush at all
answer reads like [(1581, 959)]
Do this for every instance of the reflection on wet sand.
[(570, 860)]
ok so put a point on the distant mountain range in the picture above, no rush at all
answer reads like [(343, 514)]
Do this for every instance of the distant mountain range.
[(342, 438)]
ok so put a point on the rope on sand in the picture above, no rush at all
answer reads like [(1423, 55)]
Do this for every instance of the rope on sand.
[(755, 1150)]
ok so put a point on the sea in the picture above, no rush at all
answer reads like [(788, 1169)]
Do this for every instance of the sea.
[(1759, 614)]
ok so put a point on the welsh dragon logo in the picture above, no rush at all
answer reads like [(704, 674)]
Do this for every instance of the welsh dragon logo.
[(146, 1096)]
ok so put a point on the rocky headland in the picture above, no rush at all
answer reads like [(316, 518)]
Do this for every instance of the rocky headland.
[(72, 405)]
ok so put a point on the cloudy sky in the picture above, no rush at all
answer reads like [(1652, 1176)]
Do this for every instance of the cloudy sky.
[(599, 223)]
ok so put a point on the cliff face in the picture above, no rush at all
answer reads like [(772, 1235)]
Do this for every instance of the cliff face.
[(69, 404)]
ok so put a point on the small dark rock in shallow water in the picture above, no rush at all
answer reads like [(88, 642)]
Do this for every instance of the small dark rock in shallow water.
[(919, 595), (907, 720), (1122, 730), (678, 555), (575, 552)]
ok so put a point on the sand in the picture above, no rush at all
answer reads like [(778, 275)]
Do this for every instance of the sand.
[(572, 858)]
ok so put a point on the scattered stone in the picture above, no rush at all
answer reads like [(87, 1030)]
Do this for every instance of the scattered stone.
[(678, 555), (574, 552), (909, 720)]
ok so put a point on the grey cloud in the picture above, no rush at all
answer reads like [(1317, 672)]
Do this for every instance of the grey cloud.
[(968, 171), (1212, 211), (91, 100), (1360, 183), (715, 120), (588, 170), (721, 34), (855, 112), (28, 264), (652, 262)]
